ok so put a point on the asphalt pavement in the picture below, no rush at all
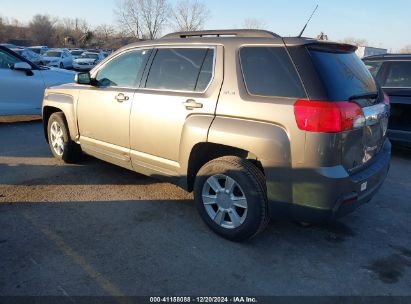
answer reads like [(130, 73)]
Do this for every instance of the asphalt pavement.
[(94, 229)]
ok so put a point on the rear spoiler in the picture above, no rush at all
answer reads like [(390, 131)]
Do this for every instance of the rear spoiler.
[(325, 46)]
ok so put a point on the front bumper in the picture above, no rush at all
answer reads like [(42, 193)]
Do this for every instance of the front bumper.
[(329, 193)]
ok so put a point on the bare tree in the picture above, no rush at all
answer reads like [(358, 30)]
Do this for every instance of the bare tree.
[(142, 18), (128, 18), (104, 34), (70, 30), (2, 28), (189, 15), (254, 24), (355, 41), (104, 31), (42, 29), (406, 49)]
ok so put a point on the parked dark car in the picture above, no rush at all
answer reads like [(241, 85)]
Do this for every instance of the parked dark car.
[(393, 72)]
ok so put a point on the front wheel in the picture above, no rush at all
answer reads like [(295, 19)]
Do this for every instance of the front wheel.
[(61, 145), (231, 197)]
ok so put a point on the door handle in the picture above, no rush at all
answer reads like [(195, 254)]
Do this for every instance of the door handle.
[(121, 97), (191, 104)]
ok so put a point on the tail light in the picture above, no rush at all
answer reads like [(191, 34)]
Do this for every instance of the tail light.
[(328, 116)]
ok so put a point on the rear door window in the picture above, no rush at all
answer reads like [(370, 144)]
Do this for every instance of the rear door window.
[(343, 74), (181, 69), (268, 71), (399, 75)]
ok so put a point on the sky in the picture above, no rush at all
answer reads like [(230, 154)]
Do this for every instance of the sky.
[(384, 24)]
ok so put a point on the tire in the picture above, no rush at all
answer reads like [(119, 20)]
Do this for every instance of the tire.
[(216, 207), (61, 145)]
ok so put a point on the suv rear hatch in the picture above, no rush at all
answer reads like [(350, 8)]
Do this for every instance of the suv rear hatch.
[(336, 78)]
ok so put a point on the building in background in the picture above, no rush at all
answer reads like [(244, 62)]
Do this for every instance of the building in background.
[(364, 51)]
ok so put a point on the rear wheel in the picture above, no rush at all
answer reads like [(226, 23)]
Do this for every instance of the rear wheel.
[(61, 145), (231, 197)]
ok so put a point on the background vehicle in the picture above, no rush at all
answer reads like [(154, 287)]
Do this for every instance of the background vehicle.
[(22, 83), (59, 58), (40, 49), (393, 72), (76, 53), (365, 51), (87, 61), (29, 55), (253, 123)]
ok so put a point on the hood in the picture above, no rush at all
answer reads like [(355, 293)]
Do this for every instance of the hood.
[(54, 76), (51, 58)]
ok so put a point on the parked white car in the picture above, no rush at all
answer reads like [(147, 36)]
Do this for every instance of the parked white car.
[(60, 58), (76, 53), (30, 55), (87, 61), (22, 84), (39, 49)]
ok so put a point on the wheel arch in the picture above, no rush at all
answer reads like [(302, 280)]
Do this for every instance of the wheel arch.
[(56, 102), (204, 152)]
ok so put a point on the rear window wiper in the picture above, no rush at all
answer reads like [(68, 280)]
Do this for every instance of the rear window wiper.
[(364, 96)]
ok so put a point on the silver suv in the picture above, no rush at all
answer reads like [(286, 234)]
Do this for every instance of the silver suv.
[(255, 124)]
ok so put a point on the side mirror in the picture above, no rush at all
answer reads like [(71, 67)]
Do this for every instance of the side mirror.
[(23, 66), (82, 78)]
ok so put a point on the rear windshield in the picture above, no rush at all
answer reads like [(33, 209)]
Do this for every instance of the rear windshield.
[(343, 74)]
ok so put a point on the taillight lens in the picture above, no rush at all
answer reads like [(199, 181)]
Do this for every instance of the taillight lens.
[(387, 99), (328, 116)]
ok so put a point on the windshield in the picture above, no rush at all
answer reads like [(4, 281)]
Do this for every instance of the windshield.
[(343, 74), (76, 53), (91, 56), (53, 54), (38, 51)]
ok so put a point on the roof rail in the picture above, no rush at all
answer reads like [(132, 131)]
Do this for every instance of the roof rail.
[(222, 33)]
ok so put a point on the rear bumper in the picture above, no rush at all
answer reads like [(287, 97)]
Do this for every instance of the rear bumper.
[(400, 137), (329, 193)]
